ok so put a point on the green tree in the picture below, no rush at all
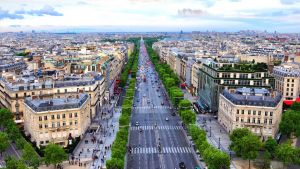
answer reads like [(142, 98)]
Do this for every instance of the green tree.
[(270, 146), (235, 138), (266, 160), (188, 117), (20, 143), (5, 116), (115, 163), (296, 106), (4, 142), (30, 156), (184, 105), (12, 131), (245, 144), (250, 147), (286, 153), (289, 124), (13, 163), (54, 154)]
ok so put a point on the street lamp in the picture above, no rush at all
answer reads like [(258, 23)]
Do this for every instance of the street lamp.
[(209, 131), (219, 143)]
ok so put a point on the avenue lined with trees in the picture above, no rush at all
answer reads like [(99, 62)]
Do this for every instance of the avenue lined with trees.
[(213, 157), (128, 77)]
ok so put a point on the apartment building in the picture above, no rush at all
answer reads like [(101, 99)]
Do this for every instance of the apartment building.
[(57, 120), (14, 89), (194, 78), (216, 76), (287, 80), (258, 109)]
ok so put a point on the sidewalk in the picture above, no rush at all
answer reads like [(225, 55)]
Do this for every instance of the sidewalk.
[(96, 145)]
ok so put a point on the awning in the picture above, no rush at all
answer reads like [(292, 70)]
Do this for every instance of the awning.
[(290, 102)]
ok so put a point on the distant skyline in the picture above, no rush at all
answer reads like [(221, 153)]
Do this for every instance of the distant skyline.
[(149, 15)]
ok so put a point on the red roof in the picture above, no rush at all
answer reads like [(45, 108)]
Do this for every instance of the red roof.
[(290, 102)]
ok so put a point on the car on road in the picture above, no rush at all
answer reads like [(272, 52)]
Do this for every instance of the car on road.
[(159, 95), (137, 100), (173, 114), (182, 165), (162, 103), (148, 101), (137, 123), (167, 119)]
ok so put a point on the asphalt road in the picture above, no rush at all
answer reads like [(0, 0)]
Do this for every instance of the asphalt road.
[(151, 114)]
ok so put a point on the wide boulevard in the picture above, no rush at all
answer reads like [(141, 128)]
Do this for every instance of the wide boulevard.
[(157, 139)]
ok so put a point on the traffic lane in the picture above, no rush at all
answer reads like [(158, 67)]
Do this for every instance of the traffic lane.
[(149, 162)]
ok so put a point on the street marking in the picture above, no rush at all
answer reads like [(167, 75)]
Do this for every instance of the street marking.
[(158, 127), (165, 150)]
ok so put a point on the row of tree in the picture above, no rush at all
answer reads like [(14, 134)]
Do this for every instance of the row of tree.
[(119, 146), (128, 69), (10, 133), (247, 145), (213, 157), (289, 124)]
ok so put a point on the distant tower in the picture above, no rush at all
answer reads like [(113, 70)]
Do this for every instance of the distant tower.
[(180, 34)]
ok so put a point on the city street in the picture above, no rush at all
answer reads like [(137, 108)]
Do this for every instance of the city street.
[(157, 139)]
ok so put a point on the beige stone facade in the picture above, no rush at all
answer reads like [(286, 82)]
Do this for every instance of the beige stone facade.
[(57, 120), (287, 80), (260, 112)]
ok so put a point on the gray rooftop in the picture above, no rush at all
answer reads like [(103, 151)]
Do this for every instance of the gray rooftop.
[(253, 97), (40, 105)]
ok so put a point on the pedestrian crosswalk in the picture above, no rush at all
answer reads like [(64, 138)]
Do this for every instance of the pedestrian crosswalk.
[(152, 107), (164, 150), (156, 128)]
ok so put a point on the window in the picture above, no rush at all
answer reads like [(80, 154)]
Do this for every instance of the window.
[(58, 124), (259, 112), (47, 141), (270, 121), (254, 112), (249, 112), (266, 120), (40, 118), (40, 126), (292, 80), (266, 113), (46, 126), (64, 123), (237, 119), (242, 111), (70, 115), (76, 122), (258, 120), (32, 93), (253, 120), (271, 113), (41, 142), (248, 120), (71, 123), (45, 117), (52, 117), (66, 91), (75, 114), (16, 95), (237, 111), (288, 80), (58, 116), (24, 94), (63, 116), (57, 90), (242, 120), (53, 125)]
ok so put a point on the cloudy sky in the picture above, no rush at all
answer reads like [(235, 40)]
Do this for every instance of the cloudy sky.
[(149, 15)]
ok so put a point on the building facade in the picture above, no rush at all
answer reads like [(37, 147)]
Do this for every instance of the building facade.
[(57, 120), (287, 80), (257, 109), (213, 79)]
